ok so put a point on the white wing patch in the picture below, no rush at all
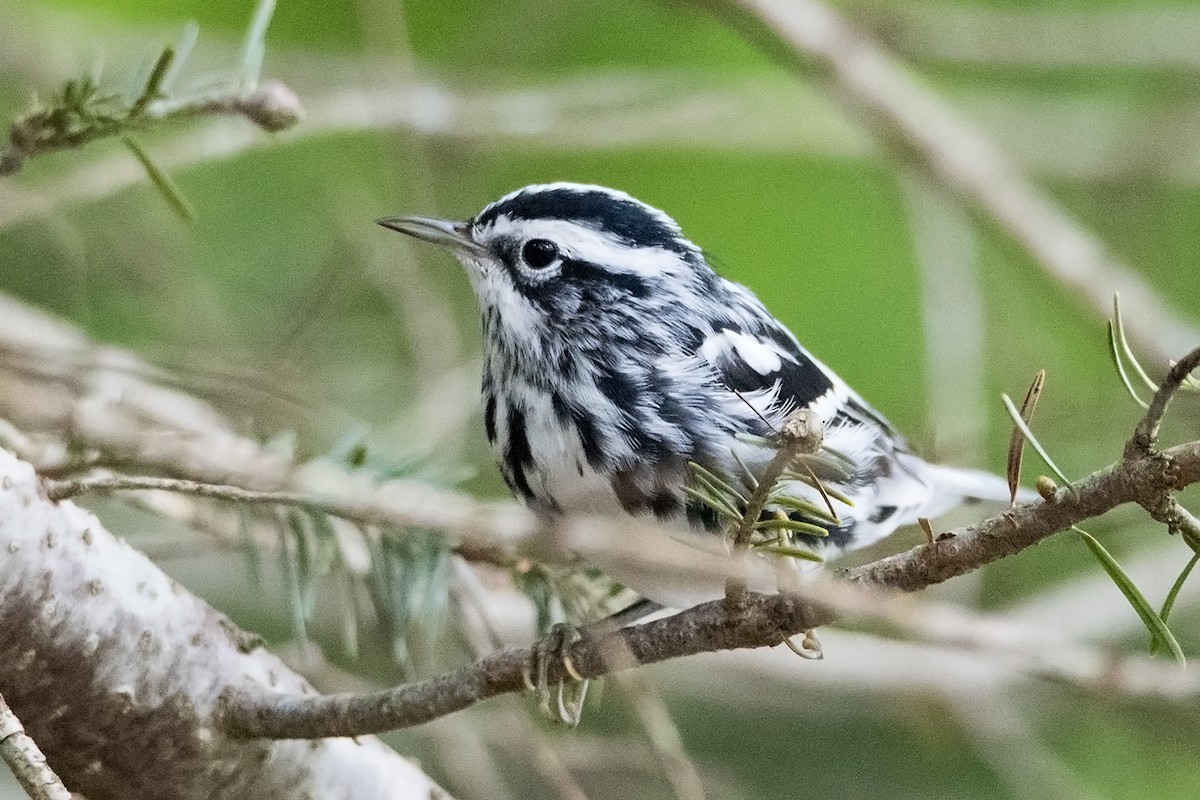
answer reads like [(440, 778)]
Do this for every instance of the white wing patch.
[(763, 357)]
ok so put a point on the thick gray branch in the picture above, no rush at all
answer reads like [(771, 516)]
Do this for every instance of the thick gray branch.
[(116, 672)]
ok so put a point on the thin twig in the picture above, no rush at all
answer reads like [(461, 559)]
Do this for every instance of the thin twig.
[(80, 113), (64, 489), (26, 760), (362, 512), (801, 434), (1145, 437)]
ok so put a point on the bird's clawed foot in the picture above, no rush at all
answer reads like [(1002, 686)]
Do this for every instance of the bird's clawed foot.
[(556, 646), (809, 647)]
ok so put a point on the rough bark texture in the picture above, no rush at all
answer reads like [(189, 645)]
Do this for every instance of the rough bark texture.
[(116, 672)]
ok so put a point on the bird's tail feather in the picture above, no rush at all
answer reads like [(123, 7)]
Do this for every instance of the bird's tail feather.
[(953, 485)]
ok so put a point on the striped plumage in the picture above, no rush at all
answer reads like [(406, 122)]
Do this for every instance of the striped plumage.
[(614, 355)]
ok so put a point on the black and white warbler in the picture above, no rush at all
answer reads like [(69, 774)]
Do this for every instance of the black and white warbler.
[(614, 355)]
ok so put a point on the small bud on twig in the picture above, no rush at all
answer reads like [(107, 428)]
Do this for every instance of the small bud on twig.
[(1046, 487)]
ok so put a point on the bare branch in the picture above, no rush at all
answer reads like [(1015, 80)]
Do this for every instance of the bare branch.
[(1146, 436), (762, 621), (61, 490)]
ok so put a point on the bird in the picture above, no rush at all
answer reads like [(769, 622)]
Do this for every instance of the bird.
[(615, 356)]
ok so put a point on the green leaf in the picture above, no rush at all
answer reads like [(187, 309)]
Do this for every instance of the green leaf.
[(1015, 415), (162, 181), (1150, 618)]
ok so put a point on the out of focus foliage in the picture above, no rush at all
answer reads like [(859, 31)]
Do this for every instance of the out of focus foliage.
[(285, 305)]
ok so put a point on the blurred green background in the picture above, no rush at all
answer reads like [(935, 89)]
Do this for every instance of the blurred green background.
[(287, 307)]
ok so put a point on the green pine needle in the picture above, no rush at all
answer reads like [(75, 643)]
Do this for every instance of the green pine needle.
[(1172, 595), (713, 502), (790, 525), (1150, 618), (255, 47), (162, 181), (790, 552), (804, 507), (1115, 353), (717, 484), (1119, 335), (792, 475)]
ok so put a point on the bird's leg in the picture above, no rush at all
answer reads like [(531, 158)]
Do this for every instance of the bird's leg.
[(556, 646)]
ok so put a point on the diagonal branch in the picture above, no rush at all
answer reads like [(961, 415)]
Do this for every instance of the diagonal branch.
[(813, 37), (1145, 437), (763, 621)]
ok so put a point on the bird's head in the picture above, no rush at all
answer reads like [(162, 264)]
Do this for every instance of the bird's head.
[(554, 256)]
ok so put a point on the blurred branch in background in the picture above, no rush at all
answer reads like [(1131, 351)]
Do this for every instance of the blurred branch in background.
[(920, 126), (1096, 37), (952, 303)]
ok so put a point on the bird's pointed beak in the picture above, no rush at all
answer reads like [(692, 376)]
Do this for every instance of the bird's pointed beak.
[(448, 234)]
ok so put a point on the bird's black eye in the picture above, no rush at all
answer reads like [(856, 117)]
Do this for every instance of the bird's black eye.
[(539, 253)]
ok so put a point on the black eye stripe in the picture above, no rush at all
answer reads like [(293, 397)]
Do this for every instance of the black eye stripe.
[(583, 272)]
